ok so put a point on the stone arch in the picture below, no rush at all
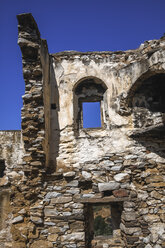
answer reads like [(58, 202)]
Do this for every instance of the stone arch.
[(153, 65), (139, 82), (138, 74), (146, 99), (95, 79), (90, 89), (135, 74)]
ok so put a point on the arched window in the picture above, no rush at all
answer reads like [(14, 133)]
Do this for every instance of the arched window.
[(90, 103), (148, 102)]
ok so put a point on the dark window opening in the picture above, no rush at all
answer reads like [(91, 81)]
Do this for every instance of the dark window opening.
[(91, 114), (150, 94), (102, 220), (2, 167), (148, 102), (53, 106)]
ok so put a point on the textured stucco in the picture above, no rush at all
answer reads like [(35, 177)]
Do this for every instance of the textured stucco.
[(59, 171)]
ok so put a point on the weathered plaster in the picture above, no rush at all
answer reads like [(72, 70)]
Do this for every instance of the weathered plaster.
[(67, 169)]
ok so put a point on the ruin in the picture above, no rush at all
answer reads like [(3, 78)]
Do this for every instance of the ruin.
[(67, 186)]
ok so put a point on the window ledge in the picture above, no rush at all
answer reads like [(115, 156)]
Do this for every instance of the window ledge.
[(94, 132)]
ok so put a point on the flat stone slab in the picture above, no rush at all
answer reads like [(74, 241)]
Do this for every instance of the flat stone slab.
[(107, 199), (112, 185), (61, 200)]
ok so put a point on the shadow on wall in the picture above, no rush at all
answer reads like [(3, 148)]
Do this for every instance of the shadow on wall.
[(152, 139), (148, 111), (54, 134), (2, 167)]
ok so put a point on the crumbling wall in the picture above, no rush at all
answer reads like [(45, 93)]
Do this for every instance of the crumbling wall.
[(11, 153), (26, 190), (113, 163), (5, 218), (11, 149), (148, 102), (118, 164)]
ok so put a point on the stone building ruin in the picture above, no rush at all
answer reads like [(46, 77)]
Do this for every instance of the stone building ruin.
[(66, 186)]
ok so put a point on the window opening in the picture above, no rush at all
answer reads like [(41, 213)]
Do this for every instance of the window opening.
[(102, 220), (90, 104), (91, 114), (148, 102), (53, 106)]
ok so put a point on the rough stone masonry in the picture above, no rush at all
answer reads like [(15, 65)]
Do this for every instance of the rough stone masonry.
[(57, 178)]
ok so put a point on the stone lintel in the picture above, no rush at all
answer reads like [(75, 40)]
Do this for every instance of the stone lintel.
[(101, 200)]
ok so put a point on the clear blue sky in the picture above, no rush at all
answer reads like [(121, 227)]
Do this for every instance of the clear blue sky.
[(83, 25)]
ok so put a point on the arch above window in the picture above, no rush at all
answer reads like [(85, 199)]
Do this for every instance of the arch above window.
[(89, 80), (148, 102), (144, 91), (89, 103)]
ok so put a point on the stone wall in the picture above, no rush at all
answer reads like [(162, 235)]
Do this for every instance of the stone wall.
[(11, 152), (68, 170), (5, 218), (26, 190), (11, 149), (124, 160)]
